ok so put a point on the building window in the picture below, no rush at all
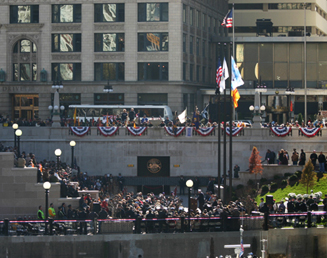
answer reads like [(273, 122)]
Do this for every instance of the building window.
[(184, 71), (197, 19), (152, 12), (209, 23), (66, 71), (64, 13), (153, 71), (152, 99), (203, 21), (191, 72), (203, 74), (191, 45), (184, 13), (109, 13), (24, 14), (204, 48), (184, 43), (197, 46), (109, 71), (109, 42), (24, 56), (191, 16), (66, 42), (108, 99), (197, 73), (153, 42)]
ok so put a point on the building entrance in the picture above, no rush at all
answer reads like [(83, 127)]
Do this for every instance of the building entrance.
[(25, 106)]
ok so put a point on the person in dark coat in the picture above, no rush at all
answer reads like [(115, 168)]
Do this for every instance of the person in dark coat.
[(181, 183), (302, 158), (200, 199)]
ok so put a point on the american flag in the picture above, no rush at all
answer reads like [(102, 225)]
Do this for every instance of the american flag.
[(228, 20), (219, 74), (242, 249)]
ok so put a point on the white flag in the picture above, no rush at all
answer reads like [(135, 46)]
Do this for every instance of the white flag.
[(236, 76), (182, 116), (224, 77)]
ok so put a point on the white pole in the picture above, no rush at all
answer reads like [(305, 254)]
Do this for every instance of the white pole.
[(305, 65)]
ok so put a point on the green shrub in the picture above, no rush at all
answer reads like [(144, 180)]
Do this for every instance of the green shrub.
[(287, 175), (264, 188), (276, 177), (298, 173), (263, 180), (283, 183), (273, 187), (239, 187), (251, 182), (293, 178)]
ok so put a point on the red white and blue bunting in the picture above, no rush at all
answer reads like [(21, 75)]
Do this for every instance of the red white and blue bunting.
[(235, 130), (108, 131), (80, 130), (281, 131), (170, 130), (204, 131), (138, 131), (309, 132)]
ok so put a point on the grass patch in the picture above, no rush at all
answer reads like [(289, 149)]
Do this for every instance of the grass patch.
[(297, 188)]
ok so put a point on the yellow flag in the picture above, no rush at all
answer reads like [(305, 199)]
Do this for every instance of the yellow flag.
[(79, 123), (75, 117)]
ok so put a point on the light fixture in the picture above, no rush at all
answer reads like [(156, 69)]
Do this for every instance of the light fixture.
[(62, 108), (72, 143), (55, 107), (18, 132), (47, 185), (15, 126), (251, 108), (262, 108), (189, 183), (50, 107), (256, 108), (57, 152)]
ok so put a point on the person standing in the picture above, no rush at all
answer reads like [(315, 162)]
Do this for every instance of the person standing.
[(236, 170), (314, 158), (181, 183), (302, 158), (40, 214), (322, 161), (295, 157), (52, 212), (131, 115), (120, 180)]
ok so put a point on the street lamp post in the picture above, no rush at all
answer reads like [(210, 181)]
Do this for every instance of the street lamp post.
[(18, 133), (72, 144), (58, 154), (46, 186), (57, 85), (15, 127), (189, 184)]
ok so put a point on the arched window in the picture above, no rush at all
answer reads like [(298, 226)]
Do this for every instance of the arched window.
[(24, 61)]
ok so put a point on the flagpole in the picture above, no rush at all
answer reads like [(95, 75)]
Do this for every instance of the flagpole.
[(225, 151), (305, 65), (233, 31), (230, 124), (219, 128)]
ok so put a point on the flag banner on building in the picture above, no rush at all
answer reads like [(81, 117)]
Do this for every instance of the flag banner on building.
[(219, 74), (79, 130), (75, 117), (281, 131), (235, 130), (205, 131), (236, 82), (174, 131), (182, 116), (138, 131), (309, 132), (228, 20), (204, 113), (108, 131), (224, 77), (189, 131)]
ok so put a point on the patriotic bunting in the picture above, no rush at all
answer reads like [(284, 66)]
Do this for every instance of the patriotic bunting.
[(309, 132), (108, 131), (235, 130), (281, 131), (79, 130), (138, 131), (170, 130), (205, 131)]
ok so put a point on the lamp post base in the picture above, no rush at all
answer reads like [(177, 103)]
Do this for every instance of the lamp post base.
[(256, 121), (56, 121)]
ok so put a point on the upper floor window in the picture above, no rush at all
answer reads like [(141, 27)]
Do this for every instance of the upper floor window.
[(184, 13), (152, 12), (153, 42), (109, 42), (66, 42), (66, 71), (24, 14), (109, 13), (191, 16), (109, 71), (153, 71), (62, 13), (24, 61)]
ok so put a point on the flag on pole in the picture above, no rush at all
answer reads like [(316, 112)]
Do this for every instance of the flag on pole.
[(79, 122), (236, 82), (228, 20), (182, 116), (205, 113), (107, 121), (242, 249), (75, 117), (219, 74), (291, 106), (224, 77)]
